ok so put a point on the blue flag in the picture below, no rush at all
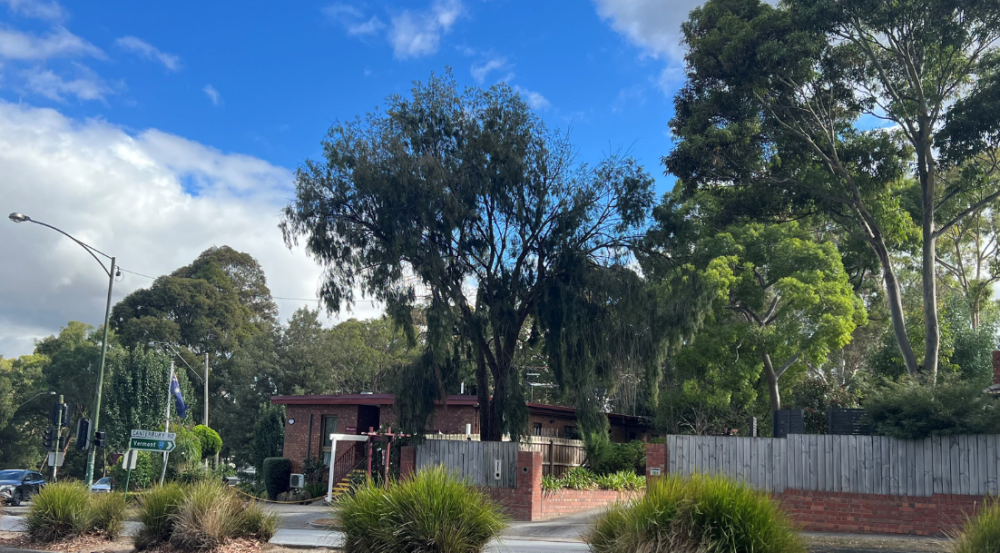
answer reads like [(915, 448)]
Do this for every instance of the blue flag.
[(175, 389)]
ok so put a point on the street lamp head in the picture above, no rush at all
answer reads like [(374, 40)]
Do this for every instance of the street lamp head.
[(18, 217), (52, 393)]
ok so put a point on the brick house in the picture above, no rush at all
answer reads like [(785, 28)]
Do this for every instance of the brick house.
[(309, 420)]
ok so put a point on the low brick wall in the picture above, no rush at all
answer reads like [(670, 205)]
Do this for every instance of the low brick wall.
[(567, 502), (938, 515)]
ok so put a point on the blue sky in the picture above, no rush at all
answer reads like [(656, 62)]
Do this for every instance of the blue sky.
[(283, 75), (157, 129)]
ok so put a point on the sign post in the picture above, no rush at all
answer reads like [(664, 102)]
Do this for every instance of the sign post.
[(128, 463), (147, 440)]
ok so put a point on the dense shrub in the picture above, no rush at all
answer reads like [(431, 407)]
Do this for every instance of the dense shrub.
[(211, 442), (106, 513), (702, 513), (58, 511), (277, 473), (432, 512), (604, 457), (142, 476), (982, 532), (157, 508), (579, 478), (910, 410)]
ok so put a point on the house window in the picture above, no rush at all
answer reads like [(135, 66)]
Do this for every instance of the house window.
[(571, 433), (536, 429), (329, 427)]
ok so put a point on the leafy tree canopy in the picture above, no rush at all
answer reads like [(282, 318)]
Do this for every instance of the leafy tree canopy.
[(466, 202)]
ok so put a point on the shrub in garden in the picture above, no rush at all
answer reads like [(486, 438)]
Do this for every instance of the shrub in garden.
[(604, 457), (701, 513), (910, 410), (106, 513), (157, 508), (212, 513), (210, 441), (58, 511), (982, 532), (432, 512), (277, 472)]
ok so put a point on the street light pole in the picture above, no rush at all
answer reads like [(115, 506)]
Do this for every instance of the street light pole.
[(30, 400), (112, 272)]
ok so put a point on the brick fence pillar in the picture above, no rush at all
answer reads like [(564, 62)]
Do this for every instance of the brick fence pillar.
[(529, 485), (407, 461), (656, 461)]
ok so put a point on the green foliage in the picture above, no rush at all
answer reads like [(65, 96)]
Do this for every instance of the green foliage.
[(142, 476), (59, 511), (432, 512), (135, 392), (106, 513), (981, 533), (277, 471), (702, 513), (910, 410), (604, 457), (313, 470), (448, 188), (579, 478), (157, 510), (21, 427), (212, 514), (211, 443), (268, 434)]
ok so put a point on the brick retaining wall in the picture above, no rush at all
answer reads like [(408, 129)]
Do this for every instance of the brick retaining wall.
[(567, 502), (938, 515)]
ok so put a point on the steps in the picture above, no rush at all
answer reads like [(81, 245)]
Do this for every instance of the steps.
[(344, 485)]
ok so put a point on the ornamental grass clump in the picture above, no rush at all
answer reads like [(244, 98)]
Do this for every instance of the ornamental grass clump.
[(157, 508), (59, 511), (982, 532), (106, 513), (212, 514), (432, 512), (695, 515)]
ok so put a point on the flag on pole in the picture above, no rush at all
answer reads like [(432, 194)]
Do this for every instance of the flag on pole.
[(175, 389)]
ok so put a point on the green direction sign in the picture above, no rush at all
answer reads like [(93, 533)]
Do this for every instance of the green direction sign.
[(146, 444)]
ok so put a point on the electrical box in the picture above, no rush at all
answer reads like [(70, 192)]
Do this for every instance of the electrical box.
[(297, 481), (496, 469)]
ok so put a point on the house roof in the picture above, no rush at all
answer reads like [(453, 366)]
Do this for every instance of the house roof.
[(465, 400)]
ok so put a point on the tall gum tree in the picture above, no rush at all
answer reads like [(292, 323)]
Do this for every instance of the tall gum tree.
[(465, 202), (774, 102)]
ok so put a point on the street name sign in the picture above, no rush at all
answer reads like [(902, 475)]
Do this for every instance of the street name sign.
[(148, 440)]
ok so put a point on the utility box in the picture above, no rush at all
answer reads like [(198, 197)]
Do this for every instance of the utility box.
[(297, 481)]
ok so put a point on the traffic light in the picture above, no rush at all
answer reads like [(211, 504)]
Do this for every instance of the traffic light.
[(99, 439), (62, 442), (60, 409), (83, 434), (47, 438)]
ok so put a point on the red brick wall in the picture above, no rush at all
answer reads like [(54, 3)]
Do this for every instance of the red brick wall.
[(938, 515), (566, 502), (297, 435), (407, 461), (552, 426), (656, 458), (525, 501), (452, 420)]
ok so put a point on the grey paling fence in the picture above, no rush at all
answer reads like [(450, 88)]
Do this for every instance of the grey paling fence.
[(492, 464), (961, 465), (558, 454)]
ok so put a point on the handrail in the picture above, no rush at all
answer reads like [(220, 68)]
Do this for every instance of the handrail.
[(346, 462)]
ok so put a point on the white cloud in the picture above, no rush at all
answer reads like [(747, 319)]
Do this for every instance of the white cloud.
[(86, 86), (534, 99), (17, 45), (482, 70), (212, 94), (129, 195), (653, 25), (148, 51), (36, 8), (418, 34), (353, 19)]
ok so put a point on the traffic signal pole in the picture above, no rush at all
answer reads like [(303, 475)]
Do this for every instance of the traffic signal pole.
[(58, 438)]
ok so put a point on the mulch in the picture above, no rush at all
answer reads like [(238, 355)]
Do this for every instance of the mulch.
[(100, 544)]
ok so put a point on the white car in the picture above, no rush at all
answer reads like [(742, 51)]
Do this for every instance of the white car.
[(102, 486)]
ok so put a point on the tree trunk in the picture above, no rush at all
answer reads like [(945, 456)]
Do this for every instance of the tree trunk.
[(894, 297), (489, 421), (772, 382), (932, 334)]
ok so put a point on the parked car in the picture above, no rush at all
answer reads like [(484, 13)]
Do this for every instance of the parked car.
[(102, 486), (19, 485)]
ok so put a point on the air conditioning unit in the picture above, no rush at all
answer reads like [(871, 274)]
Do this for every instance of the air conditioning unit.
[(297, 481)]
